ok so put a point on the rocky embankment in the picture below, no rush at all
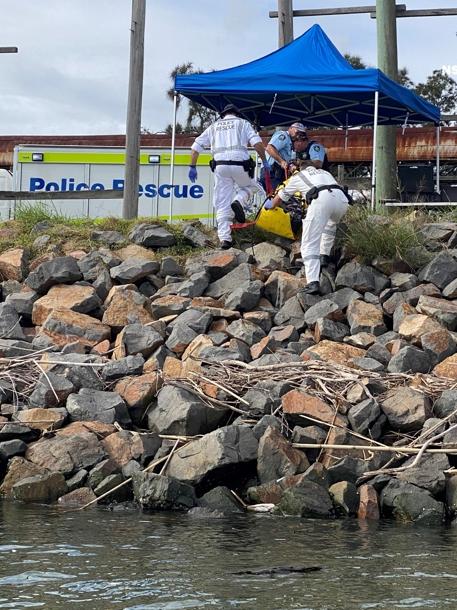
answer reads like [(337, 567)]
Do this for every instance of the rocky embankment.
[(129, 379)]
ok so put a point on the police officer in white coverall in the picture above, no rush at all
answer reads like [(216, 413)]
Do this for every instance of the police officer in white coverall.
[(328, 203), (229, 138)]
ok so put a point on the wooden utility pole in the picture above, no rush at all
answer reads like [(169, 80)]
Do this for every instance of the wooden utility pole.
[(285, 22), (135, 95), (386, 171)]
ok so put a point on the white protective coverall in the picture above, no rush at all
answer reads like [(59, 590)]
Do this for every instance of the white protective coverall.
[(322, 217), (229, 138)]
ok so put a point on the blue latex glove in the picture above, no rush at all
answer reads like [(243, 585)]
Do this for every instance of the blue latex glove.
[(192, 173), (268, 205), (266, 166)]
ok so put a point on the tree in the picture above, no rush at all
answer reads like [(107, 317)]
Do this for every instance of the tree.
[(441, 90), (355, 61), (198, 117), (403, 78)]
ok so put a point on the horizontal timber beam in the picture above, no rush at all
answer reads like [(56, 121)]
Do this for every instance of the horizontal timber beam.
[(49, 195), (348, 10)]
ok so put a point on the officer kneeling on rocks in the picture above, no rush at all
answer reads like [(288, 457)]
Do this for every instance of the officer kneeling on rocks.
[(327, 204), (229, 138)]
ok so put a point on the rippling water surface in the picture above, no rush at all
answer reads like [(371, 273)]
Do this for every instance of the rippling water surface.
[(99, 559)]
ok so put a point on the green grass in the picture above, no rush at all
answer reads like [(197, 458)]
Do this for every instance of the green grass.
[(387, 235), (68, 234)]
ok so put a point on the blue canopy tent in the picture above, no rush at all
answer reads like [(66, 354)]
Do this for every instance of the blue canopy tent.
[(308, 81)]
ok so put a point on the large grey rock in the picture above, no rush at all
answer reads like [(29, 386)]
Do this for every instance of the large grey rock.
[(66, 454), (140, 339), (93, 405), (428, 473), (22, 302), (277, 458), (111, 484), (151, 236), (170, 266), (219, 455), (180, 412), (10, 327), (446, 405), (195, 286), (246, 331), (155, 491), (361, 278), (51, 390), (291, 313), (323, 309), (181, 336), (343, 297), (116, 369), (60, 270), (221, 499), (410, 359), (196, 237), (9, 449), (269, 256), (406, 409), (12, 348), (438, 345), (192, 318), (133, 269), (216, 263), (240, 276), (13, 430), (109, 238), (363, 416), (440, 271), (403, 281), (244, 298), (329, 329), (83, 376), (407, 502), (41, 488), (309, 499), (220, 354)]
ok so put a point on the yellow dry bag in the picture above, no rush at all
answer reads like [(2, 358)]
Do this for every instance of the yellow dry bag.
[(275, 221)]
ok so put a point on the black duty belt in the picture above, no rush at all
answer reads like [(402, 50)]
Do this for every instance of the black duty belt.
[(241, 163)]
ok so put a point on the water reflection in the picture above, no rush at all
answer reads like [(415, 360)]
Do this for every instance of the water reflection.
[(136, 561)]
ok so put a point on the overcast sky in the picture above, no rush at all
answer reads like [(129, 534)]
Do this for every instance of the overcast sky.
[(70, 75)]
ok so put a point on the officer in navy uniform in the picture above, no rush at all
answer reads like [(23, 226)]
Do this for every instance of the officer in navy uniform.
[(229, 138), (280, 152), (311, 150)]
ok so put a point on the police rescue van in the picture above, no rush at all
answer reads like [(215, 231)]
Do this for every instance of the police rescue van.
[(73, 168)]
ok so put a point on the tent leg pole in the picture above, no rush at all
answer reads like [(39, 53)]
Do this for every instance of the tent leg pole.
[(375, 137), (172, 164), (438, 186)]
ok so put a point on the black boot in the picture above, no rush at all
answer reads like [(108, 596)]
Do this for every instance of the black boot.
[(311, 288), (226, 245), (237, 208)]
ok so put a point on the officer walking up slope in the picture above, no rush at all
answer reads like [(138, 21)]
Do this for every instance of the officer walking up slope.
[(328, 203), (229, 138)]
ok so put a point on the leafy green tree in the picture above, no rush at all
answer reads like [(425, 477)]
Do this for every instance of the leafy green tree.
[(440, 89), (198, 117), (355, 61)]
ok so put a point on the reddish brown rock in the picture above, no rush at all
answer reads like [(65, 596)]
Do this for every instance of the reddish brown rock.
[(18, 468), (138, 391), (64, 326), (102, 348), (369, 505), (281, 286), (123, 446), (135, 251), (341, 353), (100, 429), (77, 497), (13, 265), (447, 368), (194, 348), (297, 402), (73, 296), (413, 327), (267, 345), (41, 419), (127, 306), (206, 302), (169, 305)]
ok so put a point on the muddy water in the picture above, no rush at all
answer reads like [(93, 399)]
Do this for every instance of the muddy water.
[(100, 559)]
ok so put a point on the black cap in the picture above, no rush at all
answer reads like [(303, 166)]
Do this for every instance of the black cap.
[(229, 109)]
